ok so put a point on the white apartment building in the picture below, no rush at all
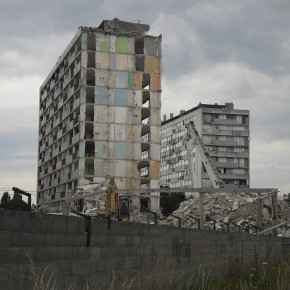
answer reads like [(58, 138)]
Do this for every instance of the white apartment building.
[(100, 112), (225, 134)]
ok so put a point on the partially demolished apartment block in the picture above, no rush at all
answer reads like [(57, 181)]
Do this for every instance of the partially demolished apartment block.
[(225, 134), (100, 112)]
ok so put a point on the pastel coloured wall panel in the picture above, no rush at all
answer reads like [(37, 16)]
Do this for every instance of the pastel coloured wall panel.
[(120, 168), (155, 134), (111, 150), (122, 44), (101, 96), (137, 116), (130, 98), (155, 100), (131, 62), (102, 60), (120, 132), (130, 116), (121, 79), (101, 114), (154, 170), (137, 102), (111, 97), (121, 62), (155, 83), (155, 152), (111, 117), (121, 97), (131, 45), (102, 78), (102, 42), (152, 64), (137, 133), (101, 131), (136, 151), (120, 150), (112, 79), (120, 115), (129, 152), (112, 43), (129, 133), (112, 61), (101, 149), (154, 117), (138, 80), (100, 167), (110, 167), (130, 80)]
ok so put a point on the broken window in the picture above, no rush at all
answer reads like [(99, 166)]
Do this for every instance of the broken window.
[(89, 167), (90, 95), (144, 203), (89, 131), (91, 41), (90, 149), (89, 113), (139, 45), (145, 98), (90, 77), (145, 115), (146, 81), (91, 59), (139, 63)]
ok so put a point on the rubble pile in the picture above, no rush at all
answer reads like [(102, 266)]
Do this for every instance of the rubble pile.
[(49, 208), (234, 208), (92, 204)]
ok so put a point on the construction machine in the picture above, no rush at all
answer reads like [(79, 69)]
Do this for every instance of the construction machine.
[(22, 192), (116, 206), (193, 140)]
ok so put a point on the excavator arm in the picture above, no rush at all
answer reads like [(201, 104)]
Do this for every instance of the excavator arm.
[(193, 140)]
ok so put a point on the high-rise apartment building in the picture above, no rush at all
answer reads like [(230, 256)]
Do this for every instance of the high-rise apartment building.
[(100, 112), (225, 134)]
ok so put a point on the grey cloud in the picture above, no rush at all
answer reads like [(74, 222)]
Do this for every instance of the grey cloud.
[(247, 32)]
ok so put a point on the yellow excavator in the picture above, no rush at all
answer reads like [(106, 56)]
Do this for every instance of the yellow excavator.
[(116, 206)]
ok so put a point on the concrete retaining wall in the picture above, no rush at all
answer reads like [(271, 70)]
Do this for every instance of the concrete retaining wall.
[(59, 243)]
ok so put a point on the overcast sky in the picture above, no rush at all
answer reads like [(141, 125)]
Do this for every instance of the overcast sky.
[(213, 52)]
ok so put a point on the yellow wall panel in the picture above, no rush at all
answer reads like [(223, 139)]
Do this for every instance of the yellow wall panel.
[(152, 64)]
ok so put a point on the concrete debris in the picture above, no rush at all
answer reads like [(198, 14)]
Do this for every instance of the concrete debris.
[(228, 208), (92, 204), (49, 208)]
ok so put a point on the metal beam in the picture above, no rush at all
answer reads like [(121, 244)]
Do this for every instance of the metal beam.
[(272, 228)]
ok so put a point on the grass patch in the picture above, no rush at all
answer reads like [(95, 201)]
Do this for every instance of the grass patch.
[(267, 276)]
